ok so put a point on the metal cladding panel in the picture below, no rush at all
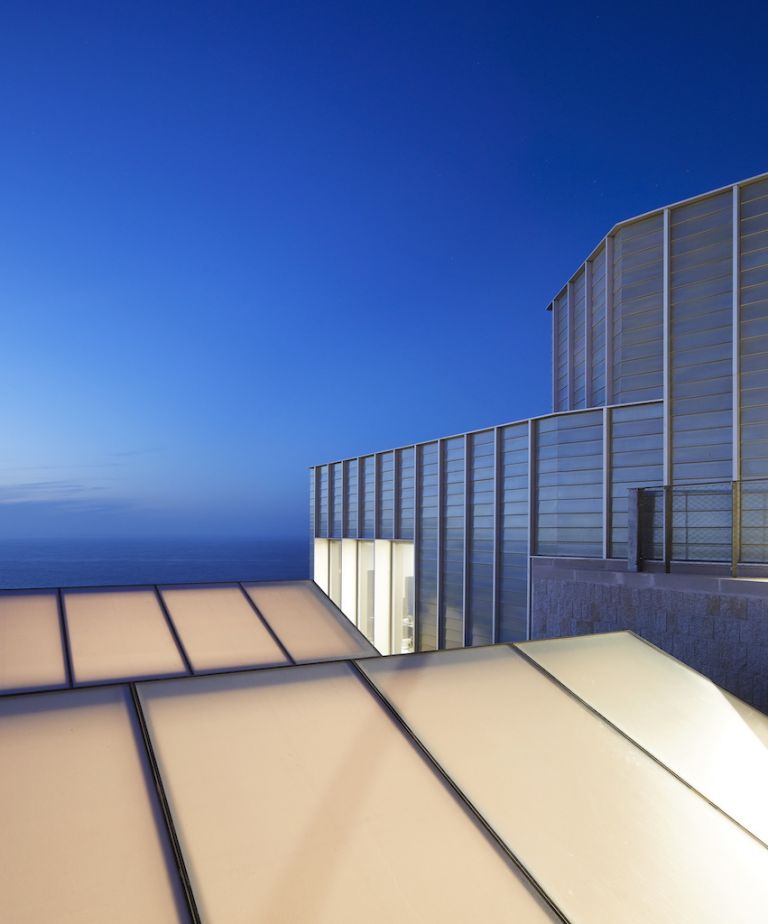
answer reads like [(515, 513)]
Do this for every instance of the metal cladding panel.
[(579, 357), (636, 460), (31, 653), (569, 485), (451, 621), (406, 488), (335, 496), (427, 514), (480, 538), (312, 524), (699, 731), (323, 504), (597, 320), (296, 798), (560, 309), (368, 496), (386, 496), (82, 838), (513, 533), (753, 292), (351, 491), (638, 279), (608, 833), (701, 338)]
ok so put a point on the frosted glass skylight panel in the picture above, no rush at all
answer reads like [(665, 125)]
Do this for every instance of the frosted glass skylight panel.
[(80, 839), (608, 833), (297, 799), (309, 626), (119, 634), (219, 628), (677, 715), (30, 642)]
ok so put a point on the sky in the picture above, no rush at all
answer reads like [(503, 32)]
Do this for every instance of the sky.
[(238, 239)]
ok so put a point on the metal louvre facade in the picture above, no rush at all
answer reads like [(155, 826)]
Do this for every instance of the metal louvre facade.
[(659, 379), (685, 297), (486, 500)]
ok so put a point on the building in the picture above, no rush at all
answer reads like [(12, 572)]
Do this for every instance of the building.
[(659, 381), (242, 752)]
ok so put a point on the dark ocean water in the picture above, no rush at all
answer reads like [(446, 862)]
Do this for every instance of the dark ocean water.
[(80, 562)]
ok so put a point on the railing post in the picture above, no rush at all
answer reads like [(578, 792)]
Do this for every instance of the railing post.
[(635, 530), (735, 527), (667, 534)]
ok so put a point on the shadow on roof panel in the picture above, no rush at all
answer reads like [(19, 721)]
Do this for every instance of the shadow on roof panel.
[(297, 799), (119, 634), (81, 836), (31, 655), (682, 718), (219, 628), (608, 833), (307, 623)]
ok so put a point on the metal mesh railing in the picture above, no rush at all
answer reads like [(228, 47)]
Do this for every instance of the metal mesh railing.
[(754, 522), (695, 523), (702, 523)]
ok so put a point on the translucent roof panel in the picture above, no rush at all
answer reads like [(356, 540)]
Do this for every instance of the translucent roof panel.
[(80, 834), (307, 623), (119, 634), (31, 654), (677, 715), (219, 628), (608, 833), (296, 798)]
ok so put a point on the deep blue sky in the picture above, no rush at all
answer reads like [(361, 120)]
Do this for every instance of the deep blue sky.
[(237, 239)]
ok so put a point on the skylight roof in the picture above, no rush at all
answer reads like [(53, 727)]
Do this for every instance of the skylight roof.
[(577, 780)]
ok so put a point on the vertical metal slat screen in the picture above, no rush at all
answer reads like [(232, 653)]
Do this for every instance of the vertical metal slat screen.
[(480, 543), (513, 534)]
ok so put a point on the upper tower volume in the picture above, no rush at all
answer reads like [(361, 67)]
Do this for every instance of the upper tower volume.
[(672, 274)]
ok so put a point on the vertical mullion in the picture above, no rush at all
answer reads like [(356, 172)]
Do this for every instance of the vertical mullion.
[(609, 320), (440, 539), (313, 519), (498, 486), (343, 500), (417, 500), (555, 354), (570, 372), (397, 457), (588, 389), (376, 495), (607, 482), (465, 612), (667, 349), (531, 520), (360, 496), (736, 371)]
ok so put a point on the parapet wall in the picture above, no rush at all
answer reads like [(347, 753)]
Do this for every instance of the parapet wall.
[(718, 625)]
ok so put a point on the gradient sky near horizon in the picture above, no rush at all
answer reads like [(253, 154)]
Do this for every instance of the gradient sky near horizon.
[(239, 239)]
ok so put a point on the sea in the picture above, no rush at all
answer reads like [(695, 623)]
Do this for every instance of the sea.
[(93, 562)]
